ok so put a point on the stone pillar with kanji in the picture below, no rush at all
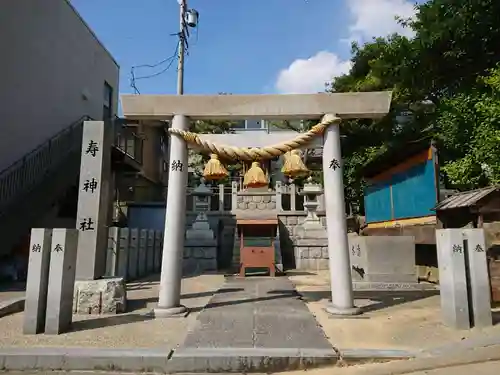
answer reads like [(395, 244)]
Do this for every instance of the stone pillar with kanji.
[(169, 301), (93, 200)]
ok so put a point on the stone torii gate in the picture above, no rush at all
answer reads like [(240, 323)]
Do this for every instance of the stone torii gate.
[(332, 108)]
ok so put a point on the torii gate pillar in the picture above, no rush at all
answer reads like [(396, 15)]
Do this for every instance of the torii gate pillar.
[(169, 301), (336, 225)]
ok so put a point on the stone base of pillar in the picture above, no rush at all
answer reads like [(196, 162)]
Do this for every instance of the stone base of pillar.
[(392, 286), (102, 296), (170, 312), (340, 312)]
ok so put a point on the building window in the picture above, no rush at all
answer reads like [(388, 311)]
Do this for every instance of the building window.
[(239, 124), (253, 124), (250, 125), (107, 108)]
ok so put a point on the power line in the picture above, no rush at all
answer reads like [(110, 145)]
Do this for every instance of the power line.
[(133, 78), (188, 18)]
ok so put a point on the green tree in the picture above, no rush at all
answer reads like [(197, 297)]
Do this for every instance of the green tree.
[(455, 42), (468, 129)]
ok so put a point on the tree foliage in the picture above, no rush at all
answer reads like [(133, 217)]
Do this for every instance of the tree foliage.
[(446, 84)]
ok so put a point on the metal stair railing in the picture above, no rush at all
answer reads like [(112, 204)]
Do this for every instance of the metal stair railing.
[(23, 175)]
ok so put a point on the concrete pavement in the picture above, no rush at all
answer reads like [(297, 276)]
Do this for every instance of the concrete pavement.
[(120, 343), (482, 368), (487, 368)]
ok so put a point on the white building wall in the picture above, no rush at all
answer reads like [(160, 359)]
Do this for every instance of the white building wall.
[(53, 72)]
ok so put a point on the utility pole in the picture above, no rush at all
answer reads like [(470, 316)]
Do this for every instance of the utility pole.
[(181, 49)]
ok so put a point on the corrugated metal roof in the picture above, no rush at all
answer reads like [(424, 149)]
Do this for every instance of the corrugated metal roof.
[(465, 199)]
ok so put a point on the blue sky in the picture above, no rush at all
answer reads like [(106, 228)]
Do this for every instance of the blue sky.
[(240, 46)]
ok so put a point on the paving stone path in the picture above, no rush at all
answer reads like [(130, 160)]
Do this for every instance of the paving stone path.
[(252, 320)]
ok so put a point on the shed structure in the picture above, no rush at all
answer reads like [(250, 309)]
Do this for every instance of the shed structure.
[(478, 208)]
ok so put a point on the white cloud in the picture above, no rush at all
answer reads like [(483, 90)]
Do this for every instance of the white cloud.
[(309, 75), (371, 18), (378, 18)]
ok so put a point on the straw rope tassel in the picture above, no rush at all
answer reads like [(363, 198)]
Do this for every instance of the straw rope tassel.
[(214, 170), (255, 177), (293, 165)]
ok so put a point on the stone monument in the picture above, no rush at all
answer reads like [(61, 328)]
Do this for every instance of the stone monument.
[(61, 284), (463, 278), (383, 262), (93, 291), (35, 304)]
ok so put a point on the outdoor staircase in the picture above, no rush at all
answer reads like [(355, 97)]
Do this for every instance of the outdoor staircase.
[(33, 184)]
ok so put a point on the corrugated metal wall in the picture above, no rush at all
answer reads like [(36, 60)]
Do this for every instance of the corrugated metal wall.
[(407, 194)]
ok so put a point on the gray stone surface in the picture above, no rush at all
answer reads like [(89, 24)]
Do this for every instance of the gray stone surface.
[(311, 238), (37, 281), (61, 280), (362, 285), (150, 249), (103, 296), (142, 257), (260, 317), (123, 253), (161, 360), (117, 253), (158, 251), (133, 255), (478, 277), (383, 259), (247, 360), (452, 278), (11, 306), (93, 200), (112, 252), (74, 359), (265, 307), (257, 200), (200, 254)]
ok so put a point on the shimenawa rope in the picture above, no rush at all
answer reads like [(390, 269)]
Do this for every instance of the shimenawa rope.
[(257, 153)]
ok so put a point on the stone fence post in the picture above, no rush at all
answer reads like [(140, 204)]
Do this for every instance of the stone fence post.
[(279, 196), (293, 196), (221, 197), (234, 195)]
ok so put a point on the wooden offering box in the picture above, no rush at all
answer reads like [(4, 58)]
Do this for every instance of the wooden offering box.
[(257, 244)]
